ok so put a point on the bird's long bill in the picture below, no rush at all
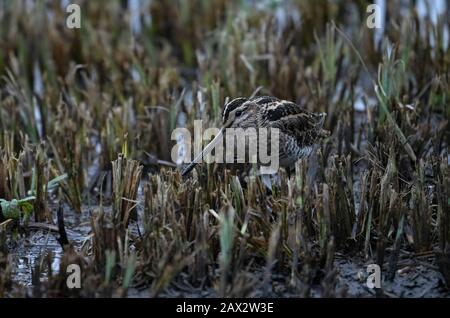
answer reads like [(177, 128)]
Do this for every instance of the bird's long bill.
[(205, 152)]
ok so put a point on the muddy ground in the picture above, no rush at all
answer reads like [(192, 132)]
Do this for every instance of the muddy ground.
[(416, 276)]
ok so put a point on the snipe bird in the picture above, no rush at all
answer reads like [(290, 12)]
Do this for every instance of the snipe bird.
[(299, 129)]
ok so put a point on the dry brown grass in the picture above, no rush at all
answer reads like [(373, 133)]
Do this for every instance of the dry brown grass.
[(376, 188)]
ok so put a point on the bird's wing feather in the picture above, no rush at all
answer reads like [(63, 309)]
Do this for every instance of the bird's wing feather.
[(294, 120)]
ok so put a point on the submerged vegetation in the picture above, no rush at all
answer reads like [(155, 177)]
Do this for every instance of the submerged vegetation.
[(86, 117)]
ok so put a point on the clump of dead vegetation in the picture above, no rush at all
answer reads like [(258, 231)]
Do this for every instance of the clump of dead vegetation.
[(86, 118)]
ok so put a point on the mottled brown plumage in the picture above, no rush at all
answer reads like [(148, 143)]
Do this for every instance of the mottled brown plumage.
[(299, 129)]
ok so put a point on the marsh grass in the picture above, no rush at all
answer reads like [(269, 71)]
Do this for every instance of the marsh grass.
[(81, 110)]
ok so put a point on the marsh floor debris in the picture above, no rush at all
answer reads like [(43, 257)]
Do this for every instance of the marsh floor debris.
[(86, 176)]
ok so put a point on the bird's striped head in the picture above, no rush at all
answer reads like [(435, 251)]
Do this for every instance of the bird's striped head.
[(238, 112)]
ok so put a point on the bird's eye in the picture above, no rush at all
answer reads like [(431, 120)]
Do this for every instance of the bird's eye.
[(238, 113)]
